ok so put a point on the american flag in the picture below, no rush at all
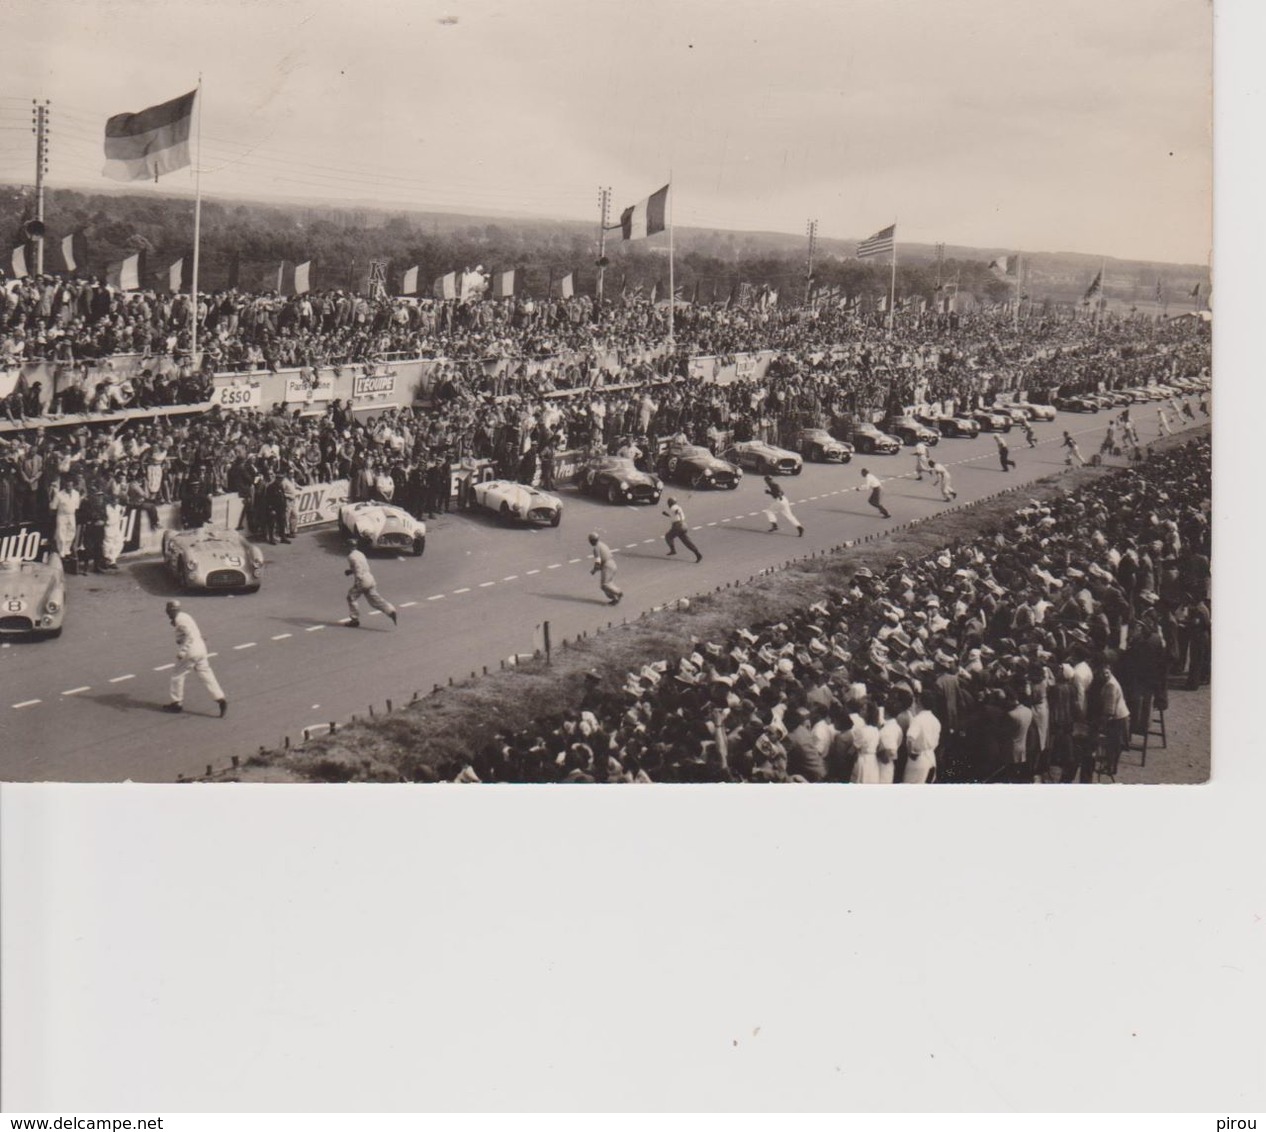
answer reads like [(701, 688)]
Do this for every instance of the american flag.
[(881, 243)]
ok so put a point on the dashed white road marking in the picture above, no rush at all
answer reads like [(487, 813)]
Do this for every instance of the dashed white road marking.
[(710, 524), (646, 540), (435, 597), (248, 645), (375, 613), (511, 578), (282, 636), (407, 604), (28, 703), (163, 667), (553, 566), (572, 561), (463, 590), (485, 585), (629, 545), (314, 628), (76, 691), (120, 679), (533, 572)]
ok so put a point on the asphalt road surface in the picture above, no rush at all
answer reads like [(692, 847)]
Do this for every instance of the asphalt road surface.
[(87, 707)]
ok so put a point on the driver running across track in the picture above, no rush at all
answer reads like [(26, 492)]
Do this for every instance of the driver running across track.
[(364, 585)]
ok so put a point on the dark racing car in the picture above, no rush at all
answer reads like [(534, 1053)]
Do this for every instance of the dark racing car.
[(818, 444), (872, 439), (952, 426), (696, 467), (910, 430), (618, 480)]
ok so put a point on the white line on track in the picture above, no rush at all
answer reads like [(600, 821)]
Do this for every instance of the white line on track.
[(375, 613), (210, 655), (711, 525), (406, 604), (463, 590), (435, 597), (646, 540), (572, 561), (248, 645), (511, 578), (314, 628), (76, 691), (533, 571), (553, 566), (282, 636), (28, 703), (485, 585), (120, 679), (630, 545), (164, 667)]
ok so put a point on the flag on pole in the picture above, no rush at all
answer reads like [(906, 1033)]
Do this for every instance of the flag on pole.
[(1006, 265), (881, 243), (446, 286), (1158, 289), (409, 282), (18, 261), (75, 251), (126, 274), (175, 276), (1095, 288), (567, 286), (155, 141), (1195, 291), (503, 284), (303, 273), (655, 289), (646, 217)]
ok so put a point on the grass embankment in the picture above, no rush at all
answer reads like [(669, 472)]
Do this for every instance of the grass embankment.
[(455, 721)]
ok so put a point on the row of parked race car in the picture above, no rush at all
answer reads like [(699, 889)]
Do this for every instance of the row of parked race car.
[(32, 590)]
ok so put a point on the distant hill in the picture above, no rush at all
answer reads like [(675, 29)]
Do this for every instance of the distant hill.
[(247, 240)]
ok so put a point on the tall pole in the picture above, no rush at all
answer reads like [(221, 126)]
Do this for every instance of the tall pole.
[(1019, 289), (41, 169), (892, 282), (672, 290), (1101, 298), (197, 235), (812, 231), (604, 202)]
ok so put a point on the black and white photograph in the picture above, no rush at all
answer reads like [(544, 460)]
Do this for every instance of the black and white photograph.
[(623, 409), (414, 407)]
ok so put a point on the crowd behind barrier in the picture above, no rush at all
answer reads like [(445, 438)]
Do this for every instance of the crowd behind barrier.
[(521, 423), (1034, 653)]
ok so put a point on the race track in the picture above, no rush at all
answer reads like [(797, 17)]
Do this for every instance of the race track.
[(86, 707)]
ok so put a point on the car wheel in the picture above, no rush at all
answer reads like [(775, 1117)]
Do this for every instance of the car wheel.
[(365, 544), (797, 469), (846, 457), (556, 518), (732, 485), (696, 481), (186, 574), (816, 454), (419, 545)]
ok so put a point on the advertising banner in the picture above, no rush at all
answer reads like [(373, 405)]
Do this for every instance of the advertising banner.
[(374, 385), (20, 542), (320, 502), (237, 395), (320, 388)]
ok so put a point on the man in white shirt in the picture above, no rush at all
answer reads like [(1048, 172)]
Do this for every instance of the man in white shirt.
[(876, 499), (920, 459), (923, 736), (364, 585), (191, 656), (604, 563), (679, 532)]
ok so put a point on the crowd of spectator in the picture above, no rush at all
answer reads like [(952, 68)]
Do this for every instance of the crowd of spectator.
[(1033, 653)]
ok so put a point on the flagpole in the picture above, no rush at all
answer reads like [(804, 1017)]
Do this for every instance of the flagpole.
[(672, 290), (1101, 298), (892, 282), (197, 236)]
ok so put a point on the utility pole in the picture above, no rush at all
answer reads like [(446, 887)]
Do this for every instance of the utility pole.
[(940, 264), (811, 230), (604, 206), (39, 118)]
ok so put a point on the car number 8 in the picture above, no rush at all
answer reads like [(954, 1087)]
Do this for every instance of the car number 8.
[(15, 605)]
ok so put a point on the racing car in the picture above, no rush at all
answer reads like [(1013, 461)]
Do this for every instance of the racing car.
[(910, 430), (380, 526), (697, 467), (618, 480), (818, 444), (951, 426), (32, 596), (1076, 404), (518, 502), (870, 438), (764, 458), (992, 420), (212, 558)]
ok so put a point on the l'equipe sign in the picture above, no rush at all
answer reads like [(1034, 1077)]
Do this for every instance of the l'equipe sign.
[(374, 385)]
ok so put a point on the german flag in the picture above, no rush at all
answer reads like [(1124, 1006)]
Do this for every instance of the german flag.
[(145, 145)]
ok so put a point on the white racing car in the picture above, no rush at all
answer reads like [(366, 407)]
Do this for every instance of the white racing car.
[(212, 558), (380, 526), (32, 597), (518, 502)]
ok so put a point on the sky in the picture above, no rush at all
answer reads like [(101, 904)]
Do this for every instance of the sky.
[(1061, 125)]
